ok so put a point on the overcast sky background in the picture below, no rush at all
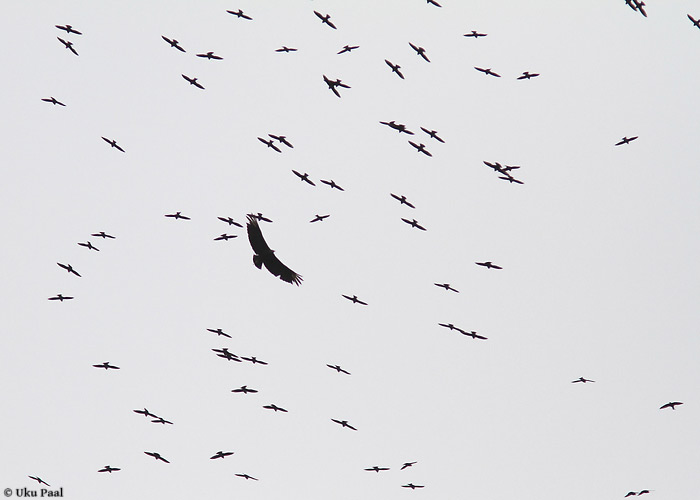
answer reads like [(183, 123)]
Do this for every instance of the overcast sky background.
[(599, 249)]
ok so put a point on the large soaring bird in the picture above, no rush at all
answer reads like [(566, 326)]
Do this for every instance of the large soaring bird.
[(264, 256)]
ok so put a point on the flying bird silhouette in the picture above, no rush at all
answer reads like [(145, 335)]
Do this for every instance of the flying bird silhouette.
[(488, 264), (60, 297), (626, 140), (68, 45), (69, 29), (157, 456), (338, 369), (420, 51), (146, 413), (246, 476), (177, 215), (397, 126), (433, 2), (39, 480), (102, 234), (210, 55), (446, 286), (284, 48), (225, 237), (527, 75), (219, 332), (240, 15), (254, 360), (106, 366), (53, 101), (334, 84), (173, 43), (343, 423), (304, 177), (193, 81), (68, 268), (395, 68), (332, 185), (408, 464), (487, 71), (274, 407), (221, 454), (475, 34), (402, 200), (282, 139), (89, 246), (229, 221), (260, 217), (229, 356), (412, 486), (420, 148), (244, 389), (581, 379), (376, 468), (671, 405), (432, 134), (696, 22), (319, 218), (413, 223), (325, 19), (113, 143), (354, 300), (108, 468), (161, 420), (264, 256), (270, 144), (348, 48)]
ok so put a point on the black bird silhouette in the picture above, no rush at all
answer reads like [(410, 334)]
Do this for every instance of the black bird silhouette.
[(106, 366), (161, 420), (109, 468), (640, 7), (511, 179), (488, 264), (173, 43), (89, 246), (581, 379), (407, 464), (508, 168), (634, 493), (68, 45), (102, 234), (68, 268), (696, 22), (496, 166), (325, 19), (527, 75), (221, 454), (376, 468), (282, 139), (338, 369), (224, 353), (69, 29), (452, 327), (475, 34), (420, 148), (319, 218), (229, 221), (146, 413), (61, 297), (671, 405), (395, 68), (177, 215), (473, 335), (157, 456), (432, 134), (254, 360), (260, 217), (487, 71), (219, 332), (412, 486), (433, 2), (344, 423), (334, 84), (210, 55), (402, 200), (53, 101), (245, 390), (264, 256), (274, 407), (420, 51), (332, 184), (626, 140), (397, 126), (355, 300), (113, 143), (193, 81), (39, 480), (225, 237), (270, 144), (446, 286), (348, 48), (304, 177), (284, 48), (239, 14), (246, 476), (413, 223)]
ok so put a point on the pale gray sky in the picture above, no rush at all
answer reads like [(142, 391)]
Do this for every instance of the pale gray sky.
[(599, 249)]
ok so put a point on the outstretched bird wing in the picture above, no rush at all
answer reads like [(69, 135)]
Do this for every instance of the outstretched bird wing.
[(265, 256)]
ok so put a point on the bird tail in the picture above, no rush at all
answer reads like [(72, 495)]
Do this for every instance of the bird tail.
[(258, 261)]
